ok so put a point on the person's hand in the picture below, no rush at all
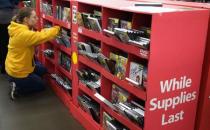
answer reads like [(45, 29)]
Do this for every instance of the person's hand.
[(58, 29)]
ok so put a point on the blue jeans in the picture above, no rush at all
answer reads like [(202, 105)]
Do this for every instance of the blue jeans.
[(32, 83)]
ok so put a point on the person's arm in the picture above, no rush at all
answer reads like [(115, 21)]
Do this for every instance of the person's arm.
[(33, 38)]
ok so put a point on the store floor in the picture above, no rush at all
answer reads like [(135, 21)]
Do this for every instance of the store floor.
[(42, 111)]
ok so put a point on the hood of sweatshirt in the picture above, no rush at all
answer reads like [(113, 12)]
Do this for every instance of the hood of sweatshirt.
[(16, 28)]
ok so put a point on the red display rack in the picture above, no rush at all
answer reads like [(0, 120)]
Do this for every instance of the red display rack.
[(52, 63), (60, 92), (175, 57), (83, 118), (169, 59), (203, 113)]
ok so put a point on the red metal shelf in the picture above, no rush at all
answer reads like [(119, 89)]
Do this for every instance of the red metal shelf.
[(47, 17), (90, 63), (138, 92), (111, 41), (60, 92), (62, 23), (62, 47), (116, 115), (122, 119), (84, 118), (52, 61), (53, 42), (89, 33), (88, 92), (166, 48), (65, 72), (65, 49)]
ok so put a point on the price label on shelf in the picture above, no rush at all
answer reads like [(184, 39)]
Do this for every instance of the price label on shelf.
[(74, 14), (79, 29)]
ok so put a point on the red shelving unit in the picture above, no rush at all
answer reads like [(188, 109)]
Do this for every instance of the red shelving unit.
[(172, 30), (61, 23), (174, 41), (49, 17), (122, 119), (61, 93), (65, 72), (84, 118), (50, 60), (142, 53), (89, 33), (53, 42), (138, 92), (88, 91), (203, 113), (64, 49), (90, 63)]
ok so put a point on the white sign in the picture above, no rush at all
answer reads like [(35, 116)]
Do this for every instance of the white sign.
[(168, 86)]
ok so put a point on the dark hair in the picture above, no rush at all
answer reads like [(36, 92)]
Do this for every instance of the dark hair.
[(22, 13)]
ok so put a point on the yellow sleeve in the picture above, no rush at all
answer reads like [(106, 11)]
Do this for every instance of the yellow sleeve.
[(34, 38)]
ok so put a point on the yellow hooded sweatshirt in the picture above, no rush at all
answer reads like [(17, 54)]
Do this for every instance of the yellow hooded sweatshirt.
[(22, 42)]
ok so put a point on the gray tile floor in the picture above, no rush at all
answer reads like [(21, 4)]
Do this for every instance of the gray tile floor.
[(42, 111)]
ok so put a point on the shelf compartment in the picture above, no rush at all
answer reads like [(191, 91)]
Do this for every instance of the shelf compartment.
[(53, 42), (62, 23), (50, 67), (121, 118), (65, 49), (90, 33), (84, 118), (62, 47), (47, 17), (65, 72), (88, 91), (62, 94), (90, 63), (52, 61), (138, 92), (146, 21), (111, 41)]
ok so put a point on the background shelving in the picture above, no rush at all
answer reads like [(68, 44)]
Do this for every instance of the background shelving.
[(50, 16)]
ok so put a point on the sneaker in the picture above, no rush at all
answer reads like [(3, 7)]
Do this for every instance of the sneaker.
[(12, 92)]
